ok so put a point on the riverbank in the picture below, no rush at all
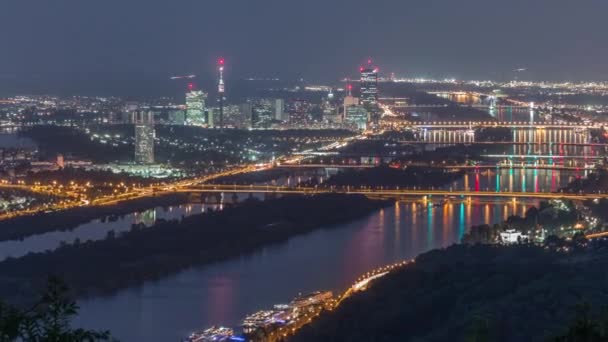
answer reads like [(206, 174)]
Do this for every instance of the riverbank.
[(517, 293), (24, 226), (99, 267)]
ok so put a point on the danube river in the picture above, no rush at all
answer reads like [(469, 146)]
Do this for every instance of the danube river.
[(327, 259), (97, 229)]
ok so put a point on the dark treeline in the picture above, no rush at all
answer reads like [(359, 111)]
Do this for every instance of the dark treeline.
[(81, 176), (380, 147), (24, 226), (599, 208), (53, 140), (549, 215), (101, 182), (48, 319), (253, 177), (143, 254), (598, 135), (474, 293), (453, 155), (494, 134), (392, 177), (453, 112), (596, 181)]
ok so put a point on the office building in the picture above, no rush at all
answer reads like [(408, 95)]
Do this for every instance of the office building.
[(195, 107), (247, 118), (369, 90), (176, 117), (144, 137), (279, 110), (357, 116)]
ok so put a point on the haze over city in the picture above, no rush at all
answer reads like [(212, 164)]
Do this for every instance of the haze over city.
[(128, 47)]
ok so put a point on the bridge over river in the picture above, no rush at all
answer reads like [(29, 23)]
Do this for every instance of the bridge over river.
[(383, 192)]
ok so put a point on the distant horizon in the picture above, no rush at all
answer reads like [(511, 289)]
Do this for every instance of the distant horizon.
[(154, 86), (61, 45)]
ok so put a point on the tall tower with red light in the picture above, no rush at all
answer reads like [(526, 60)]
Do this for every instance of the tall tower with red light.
[(349, 99), (221, 89), (369, 89)]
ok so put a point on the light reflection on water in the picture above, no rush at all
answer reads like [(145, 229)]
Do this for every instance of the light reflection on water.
[(224, 292), (96, 229)]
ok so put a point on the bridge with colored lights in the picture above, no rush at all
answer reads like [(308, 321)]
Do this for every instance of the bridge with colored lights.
[(518, 143), (507, 124), (380, 192), (447, 167)]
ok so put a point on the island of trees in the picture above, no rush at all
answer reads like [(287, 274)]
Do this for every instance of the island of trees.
[(392, 177), (169, 246), (23, 226)]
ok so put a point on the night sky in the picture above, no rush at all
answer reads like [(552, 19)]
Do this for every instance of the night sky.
[(113, 45)]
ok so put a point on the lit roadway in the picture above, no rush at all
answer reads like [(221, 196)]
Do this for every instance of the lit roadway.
[(72, 200), (192, 185), (175, 187)]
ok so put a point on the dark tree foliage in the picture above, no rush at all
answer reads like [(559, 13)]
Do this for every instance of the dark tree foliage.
[(596, 181), (24, 226), (586, 326), (386, 176), (494, 134), (453, 155), (253, 177), (478, 293), (53, 140), (47, 320)]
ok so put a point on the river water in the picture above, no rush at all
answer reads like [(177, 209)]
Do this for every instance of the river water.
[(526, 180), (96, 229), (332, 258), (326, 259), (223, 293)]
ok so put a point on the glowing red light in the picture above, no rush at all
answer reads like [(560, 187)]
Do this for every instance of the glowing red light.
[(350, 87), (369, 61), (190, 86), (360, 69), (221, 61)]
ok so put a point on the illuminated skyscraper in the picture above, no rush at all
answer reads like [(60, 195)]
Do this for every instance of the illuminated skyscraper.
[(369, 90), (144, 137), (298, 112), (357, 116), (246, 110), (279, 109), (195, 106), (349, 100)]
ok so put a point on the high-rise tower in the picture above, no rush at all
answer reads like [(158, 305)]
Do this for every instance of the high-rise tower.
[(195, 106), (220, 90), (349, 100), (369, 90), (144, 137)]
